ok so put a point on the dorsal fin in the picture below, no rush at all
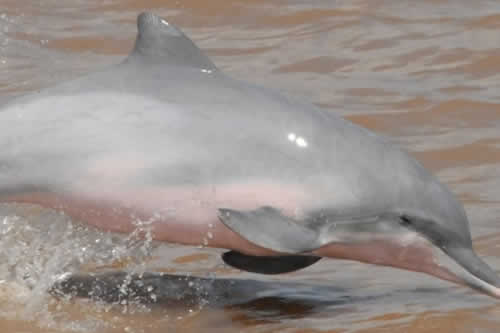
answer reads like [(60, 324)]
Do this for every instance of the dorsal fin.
[(161, 42)]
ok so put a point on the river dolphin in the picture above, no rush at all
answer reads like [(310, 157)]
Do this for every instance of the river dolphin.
[(166, 138)]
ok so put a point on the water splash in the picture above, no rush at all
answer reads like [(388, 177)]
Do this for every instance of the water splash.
[(39, 247)]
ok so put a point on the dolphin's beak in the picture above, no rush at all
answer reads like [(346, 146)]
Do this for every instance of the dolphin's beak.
[(474, 272)]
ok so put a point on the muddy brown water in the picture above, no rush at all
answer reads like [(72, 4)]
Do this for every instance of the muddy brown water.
[(426, 73)]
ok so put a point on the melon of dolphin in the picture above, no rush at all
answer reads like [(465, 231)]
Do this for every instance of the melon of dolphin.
[(166, 137)]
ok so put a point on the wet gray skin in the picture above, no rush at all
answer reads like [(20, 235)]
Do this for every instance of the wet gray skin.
[(208, 159)]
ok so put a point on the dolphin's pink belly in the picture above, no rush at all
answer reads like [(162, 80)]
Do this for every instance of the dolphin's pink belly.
[(182, 215)]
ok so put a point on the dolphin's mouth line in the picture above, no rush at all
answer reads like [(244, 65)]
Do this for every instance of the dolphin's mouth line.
[(474, 265), (473, 271)]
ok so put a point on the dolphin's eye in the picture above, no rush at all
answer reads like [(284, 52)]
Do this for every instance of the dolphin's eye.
[(405, 221)]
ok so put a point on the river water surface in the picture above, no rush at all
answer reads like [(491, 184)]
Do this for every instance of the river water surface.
[(426, 73)]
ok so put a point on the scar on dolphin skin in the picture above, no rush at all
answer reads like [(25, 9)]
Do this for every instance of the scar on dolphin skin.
[(278, 182)]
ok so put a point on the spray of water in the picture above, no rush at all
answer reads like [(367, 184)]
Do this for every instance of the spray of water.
[(39, 247)]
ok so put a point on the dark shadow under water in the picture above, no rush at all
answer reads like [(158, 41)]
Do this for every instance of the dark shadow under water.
[(254, 299), (267, 300)]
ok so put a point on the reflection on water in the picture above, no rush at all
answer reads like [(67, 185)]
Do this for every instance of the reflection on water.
[(252, 302), (424, 72)]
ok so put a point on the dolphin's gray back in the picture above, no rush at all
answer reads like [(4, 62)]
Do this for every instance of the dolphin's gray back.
[(178, 123)]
